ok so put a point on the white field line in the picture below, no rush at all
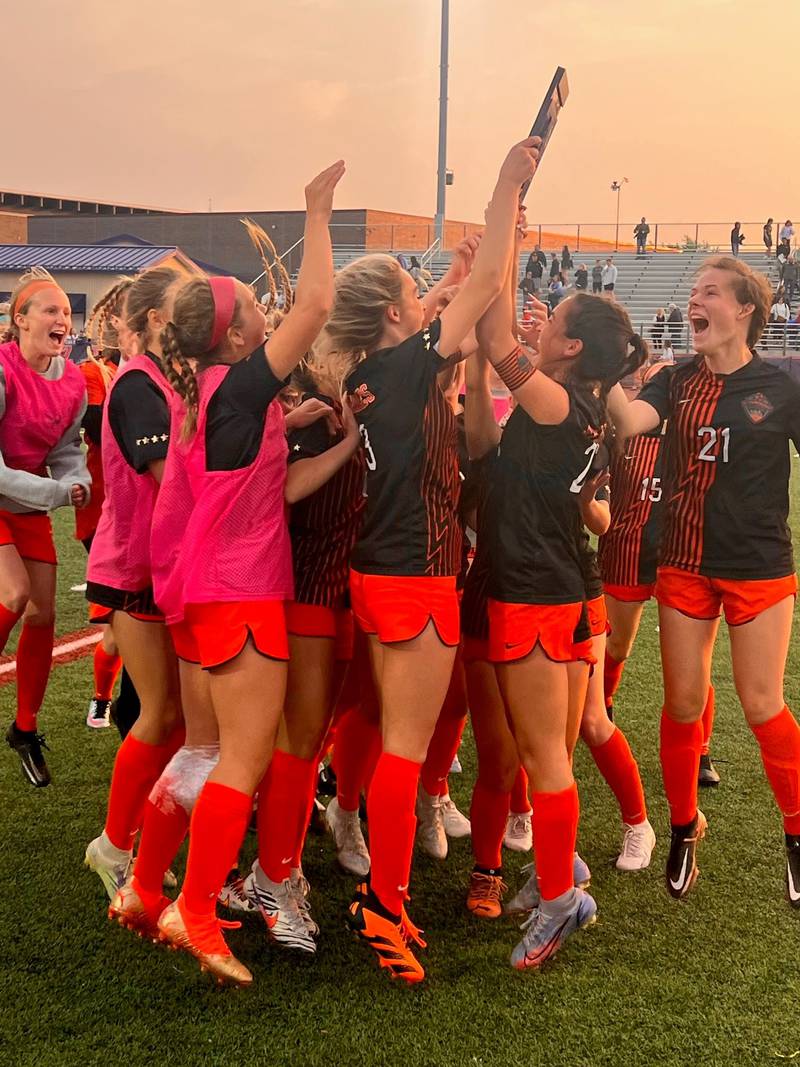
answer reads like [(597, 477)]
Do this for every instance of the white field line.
[(62, 649)]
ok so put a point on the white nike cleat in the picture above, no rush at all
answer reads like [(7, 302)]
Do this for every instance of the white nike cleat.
[(351, 849), (637, 847), (519, 833), (456, 824), (301, 889), (277, 903), (111, 864), (430, 824)]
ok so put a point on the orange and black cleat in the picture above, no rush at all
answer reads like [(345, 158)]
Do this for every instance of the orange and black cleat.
[(387, 934), (137, 910), (485, 895)]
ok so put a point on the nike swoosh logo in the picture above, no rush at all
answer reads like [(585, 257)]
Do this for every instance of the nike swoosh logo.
[(793, 893), (288, 859), (682, 879), (516, 644), (402, 888), (687, 401)]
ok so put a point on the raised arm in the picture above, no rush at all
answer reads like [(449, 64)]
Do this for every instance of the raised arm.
[(456, 274), (306, 476), (490, 269), (631, 417), (314, 294), (480, 425)]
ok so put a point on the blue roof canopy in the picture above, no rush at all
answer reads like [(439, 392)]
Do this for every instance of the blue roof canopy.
[(106, 259)]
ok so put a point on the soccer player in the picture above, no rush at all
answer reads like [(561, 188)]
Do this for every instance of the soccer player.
[(726, 545), (42, 402), (407, 556)]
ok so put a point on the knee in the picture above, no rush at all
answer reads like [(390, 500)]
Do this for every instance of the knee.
[(40, 615), (760, 699), (685, 703), (499, 774), (619, 646), (595, 731), (109, 644), (16, 597)]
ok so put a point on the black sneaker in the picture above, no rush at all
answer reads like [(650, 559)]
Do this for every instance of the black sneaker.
[(682, 869), (326, 781), (28, 746), (707, 776), (793, 869), (99, 715)]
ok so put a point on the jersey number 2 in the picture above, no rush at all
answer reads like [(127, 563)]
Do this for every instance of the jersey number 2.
[(711, 434), (591, 452)]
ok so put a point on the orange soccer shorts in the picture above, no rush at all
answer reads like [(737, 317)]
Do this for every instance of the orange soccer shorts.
[(702, 598), (312, 620), (184, 642), (598, 616), (30, 534), (222, 630), (516, 629), (630, 594), (399, 608)]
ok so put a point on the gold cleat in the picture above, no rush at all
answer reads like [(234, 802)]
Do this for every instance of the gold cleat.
[(130, 910), (201, 935)]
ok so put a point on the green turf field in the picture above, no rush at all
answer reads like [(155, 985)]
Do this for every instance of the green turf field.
[(712, 980)]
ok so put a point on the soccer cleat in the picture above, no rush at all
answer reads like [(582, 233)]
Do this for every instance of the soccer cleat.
[(28, 746), (548, 929), (234, 893), (793, 869), (279, 908), (519, 834), (708, 776), (326, 781), (351, 850), (682, 869), (386, 934), (637, 847), (430, 824), (456, 824), (170, 879), (528, 897), (99, 715), (485, 895), (112, 865), (301, 889), (201, 935), (455, 766), (135, 910)]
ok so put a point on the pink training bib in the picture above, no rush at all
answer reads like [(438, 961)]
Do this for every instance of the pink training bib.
[(120, 552), (171, 515), (38, 412), (235, 546)]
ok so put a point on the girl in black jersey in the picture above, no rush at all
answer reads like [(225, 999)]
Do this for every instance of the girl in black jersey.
[(538, 627), (407, 556), (726, 544)]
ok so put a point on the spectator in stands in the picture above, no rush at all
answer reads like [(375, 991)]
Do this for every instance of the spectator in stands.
[(536, 256), (786, 235), (768, 237), (641, 232), (737, 239), (667, 352), (609, 275), (555, 267), (556, 292), (675, 323), (528, 286), (658, 327), (566, 262), (402, 259), (80, 348), (582, 278), (597, 277), (789, 278), (778, 316), (421, 275)]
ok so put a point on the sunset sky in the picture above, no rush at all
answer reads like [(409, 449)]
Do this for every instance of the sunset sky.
[(178, 102)]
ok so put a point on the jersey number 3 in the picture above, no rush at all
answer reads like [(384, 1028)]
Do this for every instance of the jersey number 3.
[(372, 463), (710, 435)]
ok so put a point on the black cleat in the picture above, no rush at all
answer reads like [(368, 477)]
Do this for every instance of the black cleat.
[(793, 869), (326, 781), (707, 776), (682, 869), (98, 715), (28, 746)]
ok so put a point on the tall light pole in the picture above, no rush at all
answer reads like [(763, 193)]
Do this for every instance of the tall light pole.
[(441, 177), (616, 187)]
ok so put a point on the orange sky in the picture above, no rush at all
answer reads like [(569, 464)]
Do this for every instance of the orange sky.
[(173, 103)]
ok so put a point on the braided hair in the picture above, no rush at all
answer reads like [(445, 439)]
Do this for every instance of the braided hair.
[(99, 328)]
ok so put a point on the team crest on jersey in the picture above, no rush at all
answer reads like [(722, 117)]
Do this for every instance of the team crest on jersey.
[(361, 398), (757, 407)]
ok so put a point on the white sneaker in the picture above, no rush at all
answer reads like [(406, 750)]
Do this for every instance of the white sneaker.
[(637, 847), (455, 766), (348, 837), (528, 897), (456, 824), (111, 864), (301, 889), (430, 825), (278, 905), (519, 834), (235, 893)]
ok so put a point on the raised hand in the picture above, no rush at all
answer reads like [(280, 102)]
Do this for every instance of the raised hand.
[(319, 191), (463, 258), (520, 163)]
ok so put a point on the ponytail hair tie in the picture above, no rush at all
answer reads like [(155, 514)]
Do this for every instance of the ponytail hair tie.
[(223, 292)]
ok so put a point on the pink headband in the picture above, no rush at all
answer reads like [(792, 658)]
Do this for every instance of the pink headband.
[(223, 291)]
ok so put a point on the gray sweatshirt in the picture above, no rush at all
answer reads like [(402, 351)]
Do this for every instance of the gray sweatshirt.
[(21, 491)]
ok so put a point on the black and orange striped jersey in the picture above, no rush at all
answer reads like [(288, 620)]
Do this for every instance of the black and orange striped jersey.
[(533, 525), (474, 609), (590, 564), (324, 526), (628, 553), (408, 431), (726, 468)]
